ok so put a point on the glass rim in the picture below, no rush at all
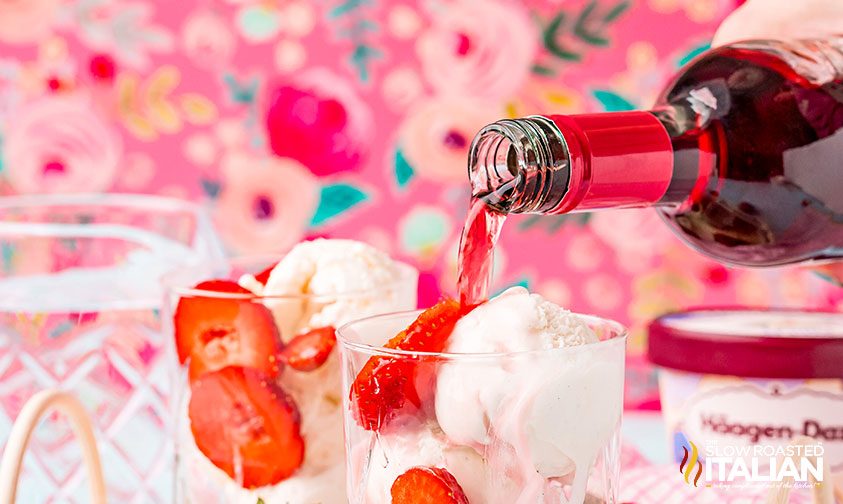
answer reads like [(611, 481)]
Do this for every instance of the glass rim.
[(380, 350), (406, 272), (203, 243), (128, 200)]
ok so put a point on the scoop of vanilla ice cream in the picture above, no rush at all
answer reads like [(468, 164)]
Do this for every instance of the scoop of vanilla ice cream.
[(517, 321), (331, 282), (514, 321), (318, 395), (328, 282), (552, 411), (323, 283), (381, 459)]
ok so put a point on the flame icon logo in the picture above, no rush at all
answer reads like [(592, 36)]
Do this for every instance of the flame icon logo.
[(689, 462)]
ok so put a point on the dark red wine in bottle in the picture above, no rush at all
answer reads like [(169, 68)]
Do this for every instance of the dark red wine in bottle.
[(742, 156)]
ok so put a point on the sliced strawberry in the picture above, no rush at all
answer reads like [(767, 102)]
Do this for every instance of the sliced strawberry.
[(308, 351), (215, 332), (189, 304), (263, 276), (427, 485), (386, 384), (430, 331), (246, 425)]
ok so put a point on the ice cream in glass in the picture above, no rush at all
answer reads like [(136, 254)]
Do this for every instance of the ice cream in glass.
[(512, 401), (261, 416)]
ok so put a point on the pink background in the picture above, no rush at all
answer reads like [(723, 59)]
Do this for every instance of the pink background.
[(371, 104)]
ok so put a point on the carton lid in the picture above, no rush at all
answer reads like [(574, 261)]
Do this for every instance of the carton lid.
[(775, 343)]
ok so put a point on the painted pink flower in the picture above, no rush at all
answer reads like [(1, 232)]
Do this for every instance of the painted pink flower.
[(138, 170), (208, 40), (59, 145), (603, 292), (479, 48), (10, 95), (265, 203), (402, 87), (437, 134), (638, 236), (126, 29), (319, 121), (25, 21)]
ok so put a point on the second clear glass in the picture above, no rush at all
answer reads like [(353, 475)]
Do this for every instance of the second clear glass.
[(315, 395), (548, 420)]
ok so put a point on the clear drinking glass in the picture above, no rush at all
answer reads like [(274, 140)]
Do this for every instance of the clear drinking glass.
[(546, 423), (79, 311), (315, 394)]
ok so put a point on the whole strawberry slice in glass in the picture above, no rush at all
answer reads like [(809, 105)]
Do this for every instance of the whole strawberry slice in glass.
[(246, 425), (427, 485), (221, 324), (310, 350), (385, 385)]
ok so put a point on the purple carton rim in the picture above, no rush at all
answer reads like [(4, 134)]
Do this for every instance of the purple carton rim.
[(715, 340)]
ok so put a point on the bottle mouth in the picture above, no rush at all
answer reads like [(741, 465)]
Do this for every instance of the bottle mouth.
[(494, 163), (519, 165)]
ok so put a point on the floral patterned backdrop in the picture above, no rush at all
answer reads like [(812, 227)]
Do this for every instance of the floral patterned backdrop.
[(352, 118)]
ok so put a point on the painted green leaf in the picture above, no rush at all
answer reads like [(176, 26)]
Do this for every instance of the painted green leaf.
[(577, 219), (257, 141), (545, 70), (360, 58), (346, 7), (582, 30), (260, 501), (529, 222), (611, 101), (258, 22), (616, 11), (550, 39), (240, 92), (588, 27), (693, 53), (403, 171), (336, 199), (583, 218), (210, 187), (424, 229), (358, 29), (7, 251), (523, 282), (550, 224), (556, 222)]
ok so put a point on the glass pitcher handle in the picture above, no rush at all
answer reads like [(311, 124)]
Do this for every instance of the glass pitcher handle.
[(30, 415)]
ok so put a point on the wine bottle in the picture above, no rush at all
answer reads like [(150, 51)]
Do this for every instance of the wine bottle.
[(742, 156)]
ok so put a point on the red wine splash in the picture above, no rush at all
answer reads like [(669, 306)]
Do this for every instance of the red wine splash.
[(476, 254)]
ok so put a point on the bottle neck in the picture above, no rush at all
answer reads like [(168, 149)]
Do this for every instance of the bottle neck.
[(561, 164), (519, 165)]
